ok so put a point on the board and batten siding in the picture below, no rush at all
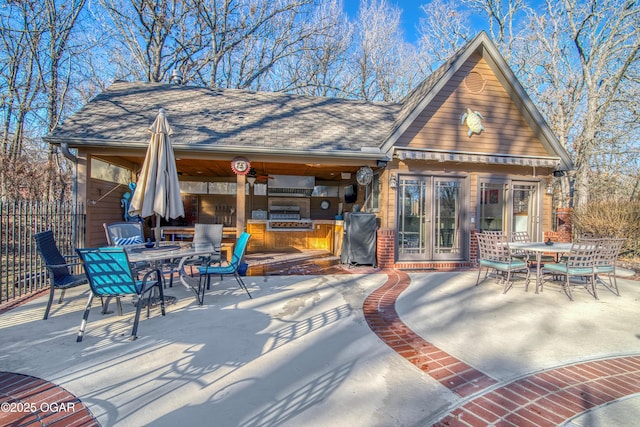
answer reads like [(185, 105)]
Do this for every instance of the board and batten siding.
[(474, 86)]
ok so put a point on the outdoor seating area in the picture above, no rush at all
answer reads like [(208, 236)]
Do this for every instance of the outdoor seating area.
[(310, 347), (130, 267), (583, 262)]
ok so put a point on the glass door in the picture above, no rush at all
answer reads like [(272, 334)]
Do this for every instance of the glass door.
[(524, 211), (430, 218), (412, 218), (503, 210), (447, 218)]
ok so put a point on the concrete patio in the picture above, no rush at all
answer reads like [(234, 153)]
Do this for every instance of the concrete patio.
[(306, 350)]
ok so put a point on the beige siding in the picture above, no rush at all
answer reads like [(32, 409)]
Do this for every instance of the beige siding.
[(106, 209), (439, 126)]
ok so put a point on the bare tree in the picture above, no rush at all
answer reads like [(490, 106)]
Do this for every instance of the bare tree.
[(152, 37), (588, 61), (35, 37), (383, 64), (443, 31), (318, 67)]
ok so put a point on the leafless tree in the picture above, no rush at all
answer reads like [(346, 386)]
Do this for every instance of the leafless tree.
[(587, 59), (35, 36), (443, 30), (151, 37), (319, 68), (383, 63)]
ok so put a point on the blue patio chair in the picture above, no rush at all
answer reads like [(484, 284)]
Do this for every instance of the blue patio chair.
[(110, 275), (58, 267), (232, 267)]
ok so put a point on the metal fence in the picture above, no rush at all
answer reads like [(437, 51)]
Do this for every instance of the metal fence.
[(21, 269)]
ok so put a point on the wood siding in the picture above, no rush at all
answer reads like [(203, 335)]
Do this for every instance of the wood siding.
[(439, 125)]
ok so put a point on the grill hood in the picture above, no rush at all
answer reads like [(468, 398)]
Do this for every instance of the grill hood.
[(291, 185)]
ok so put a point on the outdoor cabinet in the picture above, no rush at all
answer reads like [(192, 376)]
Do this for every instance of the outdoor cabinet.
[(359, 242)]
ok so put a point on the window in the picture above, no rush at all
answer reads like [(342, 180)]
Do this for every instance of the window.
[(109, 172)]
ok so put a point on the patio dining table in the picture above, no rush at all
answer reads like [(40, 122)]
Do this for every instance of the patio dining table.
[(540, 248), (168, 252)]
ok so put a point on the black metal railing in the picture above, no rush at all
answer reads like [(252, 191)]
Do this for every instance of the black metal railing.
[(21, 269)]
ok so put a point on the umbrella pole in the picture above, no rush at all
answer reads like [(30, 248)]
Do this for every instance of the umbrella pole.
[(158, 232)]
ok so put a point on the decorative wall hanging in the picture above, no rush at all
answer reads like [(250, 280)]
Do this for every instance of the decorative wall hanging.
[(240, 165), (473, 120)]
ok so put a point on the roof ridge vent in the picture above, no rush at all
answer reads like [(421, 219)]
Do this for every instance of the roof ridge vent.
[(176, 77)]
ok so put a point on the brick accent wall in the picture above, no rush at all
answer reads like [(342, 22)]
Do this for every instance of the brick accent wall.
[(385, 252), (564, 233), (385, 249)]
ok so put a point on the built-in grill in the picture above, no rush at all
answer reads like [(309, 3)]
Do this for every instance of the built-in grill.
[(288, 217)]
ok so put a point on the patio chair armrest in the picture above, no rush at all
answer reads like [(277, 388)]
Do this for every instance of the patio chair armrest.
[(146, 278), (62, 265)]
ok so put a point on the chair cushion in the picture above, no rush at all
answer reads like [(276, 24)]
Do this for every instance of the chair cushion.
[(123, 241), (226, 269), (572, 271), (514, 264)]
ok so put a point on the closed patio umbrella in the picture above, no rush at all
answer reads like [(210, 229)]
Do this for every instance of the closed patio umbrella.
[(158, 189)]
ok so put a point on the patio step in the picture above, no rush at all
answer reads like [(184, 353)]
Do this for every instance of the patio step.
[(309, 262)]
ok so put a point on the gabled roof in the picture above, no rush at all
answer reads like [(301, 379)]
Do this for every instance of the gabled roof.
[(425, 92), (227, 119), (230, 120)]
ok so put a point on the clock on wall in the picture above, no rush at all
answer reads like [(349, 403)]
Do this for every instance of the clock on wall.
[(325, 204)]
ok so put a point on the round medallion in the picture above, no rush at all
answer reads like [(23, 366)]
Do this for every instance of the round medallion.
[(240, 165), (325, 204)]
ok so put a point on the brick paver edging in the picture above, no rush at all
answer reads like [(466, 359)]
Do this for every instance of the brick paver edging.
[(27, 400), (540, 399)]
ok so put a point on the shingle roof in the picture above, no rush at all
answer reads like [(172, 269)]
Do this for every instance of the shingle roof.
[(209, 118)]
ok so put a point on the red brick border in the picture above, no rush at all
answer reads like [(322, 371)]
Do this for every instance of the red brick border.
[(27, 400), (544, 398)]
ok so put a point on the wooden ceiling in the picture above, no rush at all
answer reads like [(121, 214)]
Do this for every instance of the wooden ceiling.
[(193, 168)]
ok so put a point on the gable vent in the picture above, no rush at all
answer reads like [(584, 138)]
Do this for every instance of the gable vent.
[(474, 82)]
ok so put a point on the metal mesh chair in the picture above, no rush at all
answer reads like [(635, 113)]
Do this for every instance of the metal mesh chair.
[(110, 275), (606, 261), (124, 233), (580, 262), (495, 255), (230, 269), (58, 267)]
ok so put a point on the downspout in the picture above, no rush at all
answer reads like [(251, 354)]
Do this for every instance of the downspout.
[(69, 155), (74, 194)]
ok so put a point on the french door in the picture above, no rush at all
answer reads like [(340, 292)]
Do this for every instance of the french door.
[(508, 206), (431, 218)]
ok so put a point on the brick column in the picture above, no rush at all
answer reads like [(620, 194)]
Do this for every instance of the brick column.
[(385, 248)]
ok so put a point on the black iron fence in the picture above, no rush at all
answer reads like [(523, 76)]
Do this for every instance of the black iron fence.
[(21, 269)]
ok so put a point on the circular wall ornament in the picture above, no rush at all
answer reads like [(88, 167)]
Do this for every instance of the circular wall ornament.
[(240, 165), (325, 204)]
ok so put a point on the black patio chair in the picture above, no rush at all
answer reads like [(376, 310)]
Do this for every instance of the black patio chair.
[(58, 267), (110, 275)]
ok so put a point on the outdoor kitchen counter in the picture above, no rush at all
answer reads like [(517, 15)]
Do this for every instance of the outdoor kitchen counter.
[(322, 234)]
